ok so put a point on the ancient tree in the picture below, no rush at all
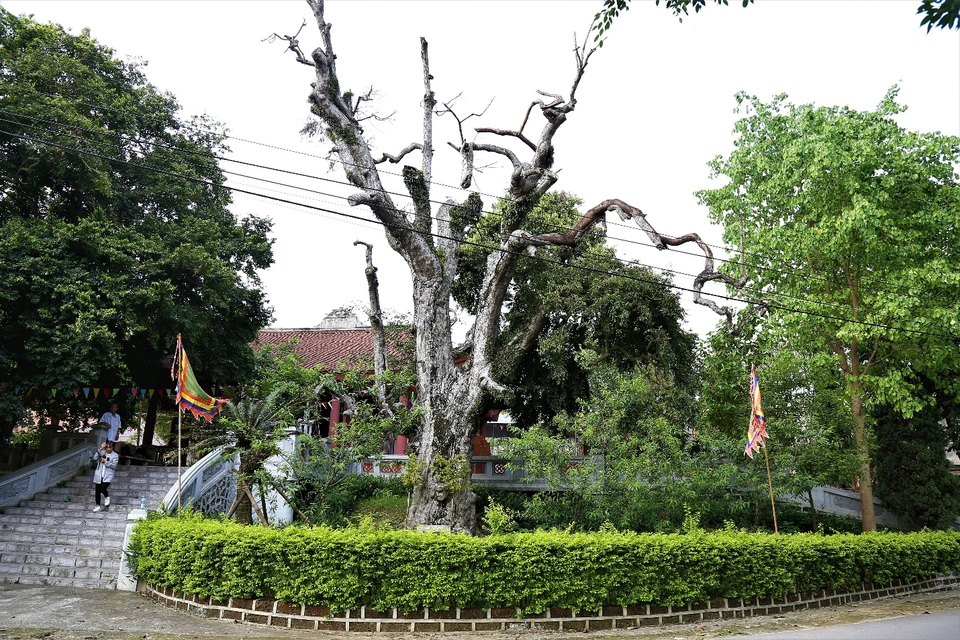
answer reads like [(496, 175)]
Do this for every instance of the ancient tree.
[(430, 239)]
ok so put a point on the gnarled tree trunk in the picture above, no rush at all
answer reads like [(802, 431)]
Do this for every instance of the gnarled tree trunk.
[(450, 395)]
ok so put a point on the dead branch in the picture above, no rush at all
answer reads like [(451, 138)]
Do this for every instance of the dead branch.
[(709, 272), (503, 151), (506, 132), (292, 44), (466, 175), (397, 158), (429, 102), (449, 109), (376, 327)]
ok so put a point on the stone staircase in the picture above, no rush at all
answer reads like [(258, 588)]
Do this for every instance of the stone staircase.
[(57, 539)]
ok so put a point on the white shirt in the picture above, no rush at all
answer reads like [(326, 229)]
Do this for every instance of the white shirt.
[(112, 419)]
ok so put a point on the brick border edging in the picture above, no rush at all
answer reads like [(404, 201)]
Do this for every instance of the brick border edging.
[(280, 614)]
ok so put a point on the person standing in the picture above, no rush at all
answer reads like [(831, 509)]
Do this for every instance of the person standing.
[(112, 420), (103, 475)]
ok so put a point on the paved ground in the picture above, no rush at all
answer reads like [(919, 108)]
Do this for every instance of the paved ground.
[(29, 612)]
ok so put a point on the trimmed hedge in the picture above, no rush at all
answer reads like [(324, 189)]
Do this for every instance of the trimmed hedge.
[(346, 568)]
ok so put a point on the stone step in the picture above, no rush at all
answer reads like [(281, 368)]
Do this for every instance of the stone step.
[(61, 535), (87, 539), (116, 489), (29, 569), (59, 582), (79, 504), (43, 515), (110, 564), (91, 554), (149, 483)]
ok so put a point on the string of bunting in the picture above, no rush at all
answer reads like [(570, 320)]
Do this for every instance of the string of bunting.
[(135, 394)]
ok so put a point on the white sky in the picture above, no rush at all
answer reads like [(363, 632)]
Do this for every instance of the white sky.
[(655, 105)]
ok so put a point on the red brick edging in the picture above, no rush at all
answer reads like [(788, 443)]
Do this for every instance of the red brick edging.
[(294, 616)]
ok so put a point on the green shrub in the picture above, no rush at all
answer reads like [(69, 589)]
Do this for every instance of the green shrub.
[(347, 568)]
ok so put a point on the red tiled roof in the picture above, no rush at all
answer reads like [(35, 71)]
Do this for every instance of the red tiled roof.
[(324, 347)]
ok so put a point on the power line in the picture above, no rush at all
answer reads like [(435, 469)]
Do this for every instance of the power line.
[(787, 271), (560, 263), (208, 154), (637, 263)]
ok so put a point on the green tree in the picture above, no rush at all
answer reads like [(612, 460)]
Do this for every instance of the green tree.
[(105, 257), (645, 464), (852, 227), (913, 475), (581, 298), (808, 422)]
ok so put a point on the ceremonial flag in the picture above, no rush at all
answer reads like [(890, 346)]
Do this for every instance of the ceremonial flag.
[(757, 432), (190, 395)]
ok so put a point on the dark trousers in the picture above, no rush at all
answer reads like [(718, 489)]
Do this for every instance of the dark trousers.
[(100, 488)]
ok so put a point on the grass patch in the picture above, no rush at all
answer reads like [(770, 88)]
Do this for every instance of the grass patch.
[(385, 508)]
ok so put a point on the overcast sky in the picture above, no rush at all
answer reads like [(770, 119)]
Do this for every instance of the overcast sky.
[(655, 105)]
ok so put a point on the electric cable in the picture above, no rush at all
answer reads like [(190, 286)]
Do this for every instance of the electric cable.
[(521, 253)]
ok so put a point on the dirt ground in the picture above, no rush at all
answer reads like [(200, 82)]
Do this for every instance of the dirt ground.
[(57, 613)]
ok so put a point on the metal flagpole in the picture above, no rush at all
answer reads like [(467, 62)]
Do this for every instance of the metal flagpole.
[(770, 484), (180, 456)]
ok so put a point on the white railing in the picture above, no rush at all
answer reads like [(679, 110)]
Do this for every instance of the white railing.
[(486, 470), (209, 485), (36, 478), (842, 502)]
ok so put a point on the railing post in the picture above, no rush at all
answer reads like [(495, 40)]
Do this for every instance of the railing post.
[(126, 581)]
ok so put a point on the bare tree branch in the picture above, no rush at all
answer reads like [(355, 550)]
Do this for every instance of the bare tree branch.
[(378, 334), (506, 132), (503, 151), (429, 102), (292, 44), (397, 158)]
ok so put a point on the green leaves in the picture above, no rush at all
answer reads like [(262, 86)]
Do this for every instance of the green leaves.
[(344, 569), (104, 262)]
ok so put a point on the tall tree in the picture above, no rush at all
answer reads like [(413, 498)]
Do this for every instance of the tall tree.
[(116, 225), (853, 225), (451, 396)]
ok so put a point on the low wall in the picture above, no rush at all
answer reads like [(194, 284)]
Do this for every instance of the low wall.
[(279, 614)]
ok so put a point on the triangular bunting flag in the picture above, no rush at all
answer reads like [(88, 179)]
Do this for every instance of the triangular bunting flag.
[(143, 393), (76, 393), (53, 393), (151, 392), (160, 392), (116, 391), (86, 392)]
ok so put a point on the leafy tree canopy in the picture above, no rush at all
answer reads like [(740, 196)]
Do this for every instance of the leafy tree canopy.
[(107, 254), (852, 227), (585, 299)]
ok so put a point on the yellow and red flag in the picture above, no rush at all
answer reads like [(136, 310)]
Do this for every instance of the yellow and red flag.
[(190, 395), (757, 432)]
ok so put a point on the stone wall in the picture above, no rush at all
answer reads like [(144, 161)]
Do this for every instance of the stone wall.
[(295, 616)]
